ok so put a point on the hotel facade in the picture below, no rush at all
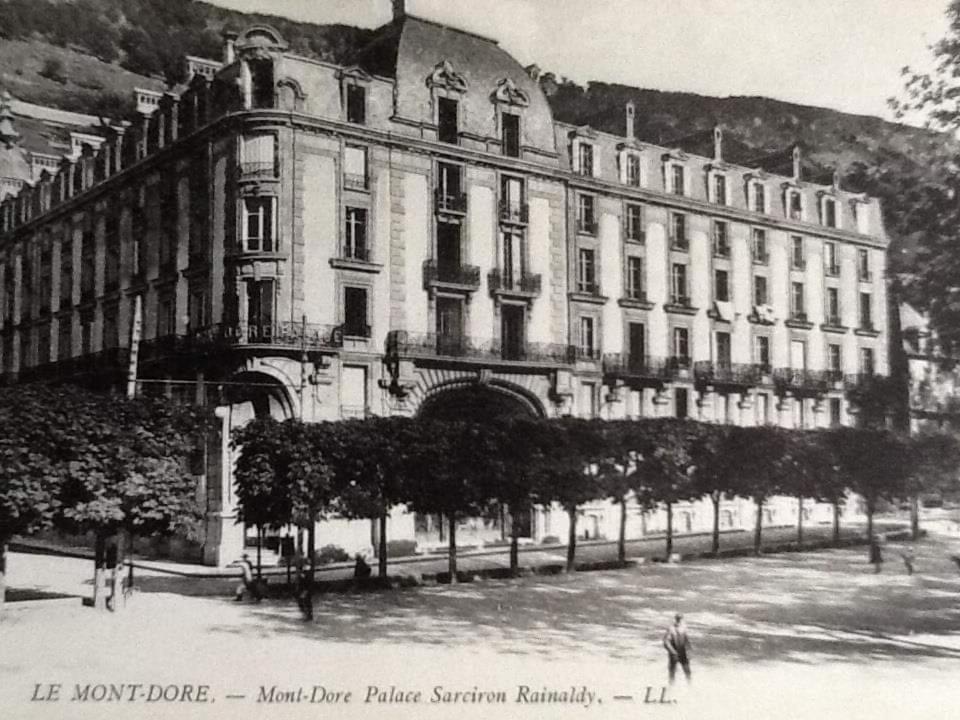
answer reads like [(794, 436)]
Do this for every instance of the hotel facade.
[(415, 233)]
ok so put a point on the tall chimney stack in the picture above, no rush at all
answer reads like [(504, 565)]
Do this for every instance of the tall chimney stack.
[(399, 9), (796, 162), (631, 111), (229, 38), (717, 143)]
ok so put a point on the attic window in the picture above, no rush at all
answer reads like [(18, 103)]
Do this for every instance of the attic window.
[(261, 73), (511, 134), (356, 104), (447, 124), (829, 212)]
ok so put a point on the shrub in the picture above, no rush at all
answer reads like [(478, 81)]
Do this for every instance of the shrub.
[(332, 554), (53, 70)]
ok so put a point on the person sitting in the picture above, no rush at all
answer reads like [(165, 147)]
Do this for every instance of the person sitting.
[(361, 571)]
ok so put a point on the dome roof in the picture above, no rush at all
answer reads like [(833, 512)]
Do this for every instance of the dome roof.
[(413, 51)]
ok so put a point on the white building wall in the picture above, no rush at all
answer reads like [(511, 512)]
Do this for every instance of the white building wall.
[(611, 281), (482, 251), (701, 288), (657, 288), (320, 238), (538, 240), (416, 243)]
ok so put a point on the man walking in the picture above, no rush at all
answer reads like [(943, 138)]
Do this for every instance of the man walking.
[(677, 643), (247, 584)]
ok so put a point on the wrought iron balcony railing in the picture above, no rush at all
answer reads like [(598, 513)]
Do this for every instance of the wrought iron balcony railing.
[(281, 334), (712, 372), (354, 181), (517, 213), (257, 169), (801, 380), (448, 202), (637, 367), (433, 345), (450, 273), (519, 283)]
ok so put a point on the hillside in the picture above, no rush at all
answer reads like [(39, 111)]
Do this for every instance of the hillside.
[(87, 55)]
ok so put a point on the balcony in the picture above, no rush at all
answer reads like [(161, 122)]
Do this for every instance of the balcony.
[(355, 257), (636, 370), (798, 320), (635, 298), (727, 374), (354, 181), (761, 257), (680, 304), (293, 335), (721, 249), (514, 213), (450, 276), (587, 226), (257, 170), (520, 285), (834, 324), (833, 269), (866, 329), (801, 382), (462, 348), (679, 242), (451, 203)]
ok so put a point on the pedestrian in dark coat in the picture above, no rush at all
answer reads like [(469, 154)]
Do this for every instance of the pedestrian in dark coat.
[(677, 643)]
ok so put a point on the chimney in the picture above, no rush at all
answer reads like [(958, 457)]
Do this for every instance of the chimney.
[(399, 9), (796, 162), (8, 133), (631, 109), (229, 54), (717, 143)]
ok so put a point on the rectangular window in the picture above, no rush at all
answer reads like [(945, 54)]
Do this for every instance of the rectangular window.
[(511, 134), (798, 355), (867, 361), (834, 358), (759, 246), (111, 335), (448, 129), (638, 343), (832, 260), (588, 399), (87, 266), (45, 285), (64, 338), (866, 311), (586, 271), (633, 170), (833, 306), (353, 391), (681, 346), (258, 224), (678, 231), (355, 167), (138, 241), (830, 212), (721, 285), (863, 265), (587, 340), (585, 158), (635, 290), (795, 205), (834, 412), (586, 217), (450, 196), (111, 262), (761, 351), (166, 316), (723, 349), (258, 155), (450, 325), (197, 310), (678, 180), (356, 104), (678, 285), (260, 308), (355, 234), (86, 333), (634, 223), (720, 189), (797, 256), (760, 295), (721, 239), (797, 307), (759, 198), (355, 312)]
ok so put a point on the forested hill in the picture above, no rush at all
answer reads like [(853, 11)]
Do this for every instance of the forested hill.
[(87, 55)]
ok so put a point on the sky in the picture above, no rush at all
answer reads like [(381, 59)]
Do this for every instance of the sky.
[(842, 54)]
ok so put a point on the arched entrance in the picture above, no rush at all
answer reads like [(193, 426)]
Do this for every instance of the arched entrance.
[(479, 402)]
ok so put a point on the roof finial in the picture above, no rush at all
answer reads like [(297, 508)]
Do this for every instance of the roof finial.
[(8, 133)]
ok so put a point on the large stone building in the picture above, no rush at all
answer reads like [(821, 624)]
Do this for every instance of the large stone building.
[(414, 233)]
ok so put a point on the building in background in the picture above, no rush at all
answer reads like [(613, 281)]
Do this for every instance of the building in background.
[(414, 233)]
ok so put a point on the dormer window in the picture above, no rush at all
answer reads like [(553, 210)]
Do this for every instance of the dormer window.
[(585, 159), (794, 202), (719, 188), (632, 169), (356, 104), (510, 127), (759, 249), (677, 179), (828, 212), (758, 197), (448, 129), (861, 216)]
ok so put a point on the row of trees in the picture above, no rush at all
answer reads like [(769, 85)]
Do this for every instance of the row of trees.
[(81, 461), (292, 473)]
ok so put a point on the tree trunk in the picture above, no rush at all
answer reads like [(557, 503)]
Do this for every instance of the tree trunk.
[(99, 560), (622, 538), (800, 520), (669, 530), (870, 521), (572, 540), (452, 553), (382, 551), (514, 543), (3, 571), (758, 529), (915, 517), (312, 551), (259, 546), (836, 522), (716, 497)]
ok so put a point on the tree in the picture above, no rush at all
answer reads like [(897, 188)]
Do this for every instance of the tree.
[(762, 452), (624, 443), (873, 464), (667, 467), (714, 466), (571, 451), (803, 468), (934, 458), (369, 460)]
